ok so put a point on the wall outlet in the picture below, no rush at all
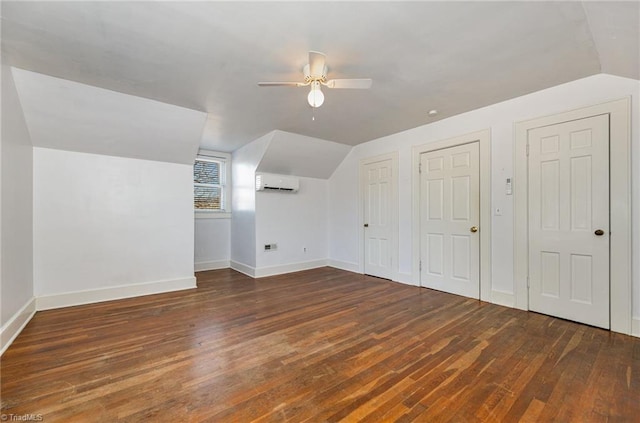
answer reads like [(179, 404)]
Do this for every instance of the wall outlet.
[(270, 247), (304, 249)]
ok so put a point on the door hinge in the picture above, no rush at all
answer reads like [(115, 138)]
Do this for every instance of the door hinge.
[(527, 149), (420, 265), (419, 167), (527, 281)]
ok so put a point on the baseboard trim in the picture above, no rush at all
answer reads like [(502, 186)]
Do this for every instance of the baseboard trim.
[(344, 265), (10, 330), (69, 299), (243, 268), (502, 298), (211, 265), (404, 278), (262, 272), (635, 327)]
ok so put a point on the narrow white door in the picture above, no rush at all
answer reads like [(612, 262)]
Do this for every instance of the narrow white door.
[(378, 178), (569, 220), (450, 219)]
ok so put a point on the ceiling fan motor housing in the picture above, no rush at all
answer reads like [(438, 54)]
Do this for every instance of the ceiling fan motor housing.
[(309, 78)]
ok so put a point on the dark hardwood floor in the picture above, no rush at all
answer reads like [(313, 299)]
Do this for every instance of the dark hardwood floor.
[(320, 346)]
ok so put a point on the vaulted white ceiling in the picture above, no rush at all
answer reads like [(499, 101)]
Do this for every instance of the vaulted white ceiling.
[(209, 57)]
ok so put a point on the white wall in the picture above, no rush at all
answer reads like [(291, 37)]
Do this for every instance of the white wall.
[(244, 162), (103, 224), (16, 280), (212, 243), (344, 229), (293, 221), (296, 222)]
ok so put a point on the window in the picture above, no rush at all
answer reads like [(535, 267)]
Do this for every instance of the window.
[(210, 184)]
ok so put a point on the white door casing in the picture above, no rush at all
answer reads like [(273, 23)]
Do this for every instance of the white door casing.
[(450, 220), (569, 220), (379, 202), (619, 207)]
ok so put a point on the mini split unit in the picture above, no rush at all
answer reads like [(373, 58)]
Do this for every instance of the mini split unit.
[(267, 182)]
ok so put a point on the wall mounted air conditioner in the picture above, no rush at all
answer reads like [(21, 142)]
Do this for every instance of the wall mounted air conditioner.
[(269, 182)]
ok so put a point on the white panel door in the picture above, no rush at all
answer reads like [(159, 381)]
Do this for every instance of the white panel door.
[(569, 220), (449, 220), (378, 178)]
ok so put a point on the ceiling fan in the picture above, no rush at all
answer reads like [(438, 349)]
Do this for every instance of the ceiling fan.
[(315, 75)]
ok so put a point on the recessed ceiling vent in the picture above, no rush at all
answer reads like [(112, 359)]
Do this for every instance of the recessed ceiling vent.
[(269, 182)]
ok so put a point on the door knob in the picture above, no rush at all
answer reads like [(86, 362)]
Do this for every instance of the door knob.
[(366, 225), (599, 232), (474, 229)]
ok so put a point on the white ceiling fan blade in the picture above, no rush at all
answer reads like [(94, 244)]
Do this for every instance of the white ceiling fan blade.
[(282, 84), (362, 83), (316, 63)]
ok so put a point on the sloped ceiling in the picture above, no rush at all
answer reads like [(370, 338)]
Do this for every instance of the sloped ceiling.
[(66, 115), (293, 154), (615, 28), (209, 56)]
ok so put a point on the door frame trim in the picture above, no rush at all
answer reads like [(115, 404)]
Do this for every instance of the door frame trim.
[(483, 137), (620, 295), (393, 156)]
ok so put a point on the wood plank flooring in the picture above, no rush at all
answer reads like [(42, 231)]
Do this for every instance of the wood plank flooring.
[(320, 346)]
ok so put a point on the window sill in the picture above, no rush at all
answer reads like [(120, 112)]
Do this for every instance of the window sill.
[(212, 215)]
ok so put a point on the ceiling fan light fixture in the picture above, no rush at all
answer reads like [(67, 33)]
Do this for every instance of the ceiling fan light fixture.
[(315, 76), (315, 97)]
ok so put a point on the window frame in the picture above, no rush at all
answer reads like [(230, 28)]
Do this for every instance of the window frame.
[(225, 183)]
